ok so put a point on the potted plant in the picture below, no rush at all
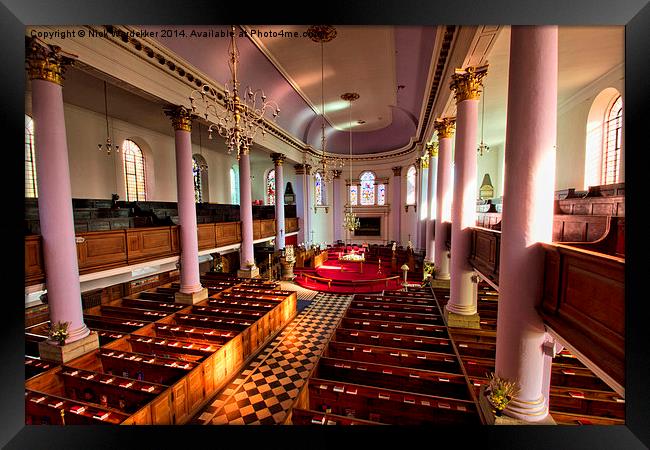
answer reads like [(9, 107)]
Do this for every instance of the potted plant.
[(59, 332), (500, 392)]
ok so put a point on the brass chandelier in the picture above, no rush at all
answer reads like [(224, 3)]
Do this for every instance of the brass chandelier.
[(242, 117), (325, 165), (350, 220)]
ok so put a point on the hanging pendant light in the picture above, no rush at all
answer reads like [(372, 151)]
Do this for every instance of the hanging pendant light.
[(350, 220), (109, 142), (482, 148)]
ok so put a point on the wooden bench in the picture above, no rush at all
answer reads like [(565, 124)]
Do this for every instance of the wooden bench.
[(165, 346), (49, 409), (117, 392), (226, 311), (395, 327), (255, 305), (310, 417), (388, 406), (35, 366), (220, 323), (394, 340), (432, 319), (151, 368), (113, 323), (385, 306), (132, 313), (417, 359), (151, 304), (194, 333), (426, 382), (400, 300)]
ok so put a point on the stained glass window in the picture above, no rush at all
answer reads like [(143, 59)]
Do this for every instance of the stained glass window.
[(410, 186), (134, 172), (196, 172), (381, 194), (353, 195), (270, 187), (30, 163), (318, 189), (612, 151), (234, 185), (367, 188)]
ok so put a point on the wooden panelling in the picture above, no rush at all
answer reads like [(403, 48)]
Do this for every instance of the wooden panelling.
[(485, 252), (291, 224), (267, 228), (228, 233), (257, 229), (195, 388), (206, 235), (34, 271), (144, 243), (607, 206), (161, 412), (179, 401), (101, 249), (579, 228), (584, 302)]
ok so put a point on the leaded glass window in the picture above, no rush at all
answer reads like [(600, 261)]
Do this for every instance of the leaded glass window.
[(134, 173), (270, 187), (196, 173), (410, 186), (318, 189), (30, 163), (234, 185), (381, 194), (367, 180), (354, 195), (612, 148)]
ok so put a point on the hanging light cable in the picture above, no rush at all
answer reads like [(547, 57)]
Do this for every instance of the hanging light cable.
[(482, 148), (350, 221), (109, 145)]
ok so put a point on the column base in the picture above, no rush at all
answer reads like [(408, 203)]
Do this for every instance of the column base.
[(491, 418), (252, 273), (63, 353), (443, 276), (440, 283), (192, 298), (462, 321)]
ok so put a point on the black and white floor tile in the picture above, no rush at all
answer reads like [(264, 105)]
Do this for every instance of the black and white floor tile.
[(264, 391)]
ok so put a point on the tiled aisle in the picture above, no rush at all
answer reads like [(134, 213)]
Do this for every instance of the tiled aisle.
[(268, 386)]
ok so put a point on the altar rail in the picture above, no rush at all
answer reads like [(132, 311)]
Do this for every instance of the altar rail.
[(102, 250)]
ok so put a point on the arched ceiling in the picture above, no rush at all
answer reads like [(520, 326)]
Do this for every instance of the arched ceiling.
[(370, 60)]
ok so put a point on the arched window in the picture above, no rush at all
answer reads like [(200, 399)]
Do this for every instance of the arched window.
[(196, 172), (612, 127), (367, 181), (381, 194), (30, 162), (318, 188), (234, 184), (410, 186), (270, 187), (134, 171)]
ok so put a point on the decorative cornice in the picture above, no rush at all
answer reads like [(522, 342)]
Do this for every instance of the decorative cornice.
[(46, 62), (445, 127), (397, 171), (278, 158), (467, 83), (181, 117)]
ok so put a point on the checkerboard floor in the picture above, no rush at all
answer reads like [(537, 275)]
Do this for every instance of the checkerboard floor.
[(264, 391)]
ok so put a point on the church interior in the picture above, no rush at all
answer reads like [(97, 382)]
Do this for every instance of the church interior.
[(324, 225)]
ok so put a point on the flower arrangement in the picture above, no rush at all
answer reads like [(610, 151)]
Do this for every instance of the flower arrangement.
[(428, 270), (59, 332), (500, 392)]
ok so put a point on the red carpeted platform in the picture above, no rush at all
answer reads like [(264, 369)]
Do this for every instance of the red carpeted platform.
[(345, 278)]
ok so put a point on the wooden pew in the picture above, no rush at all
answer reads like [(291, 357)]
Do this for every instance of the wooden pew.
[(140, 303), (400, 300), (309, 417), (113, 323), (194, 333), (432, 319), (395, 327), (165, 346), (394, 340), (154, 369), (35, 366), (91, 386), (132, 313), (43, 408), (386, 306), (224, 323), (417, 359), (439, 384), (225, 311), (388, 406), (255, 305)]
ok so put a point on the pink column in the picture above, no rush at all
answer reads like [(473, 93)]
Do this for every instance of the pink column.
[(396, 206), (466, 84), (55, 198), (190, 276), (278, 160), (246, 254), (302, 207), (337, 209), (445, 129), (431, 199), (527, 217)]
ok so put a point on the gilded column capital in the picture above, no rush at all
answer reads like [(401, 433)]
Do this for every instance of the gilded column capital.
[(181, 117), (397, 171), (432, 149), (445, 127), (278, 158), (467, 83), (302, 169), (46, 62)]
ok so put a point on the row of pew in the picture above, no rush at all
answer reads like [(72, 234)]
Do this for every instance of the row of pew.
[(390, 361), (577, 395), (158, 361)]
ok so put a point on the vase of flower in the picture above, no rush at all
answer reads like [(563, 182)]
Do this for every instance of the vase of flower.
[(500, 392), (58, 332)]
